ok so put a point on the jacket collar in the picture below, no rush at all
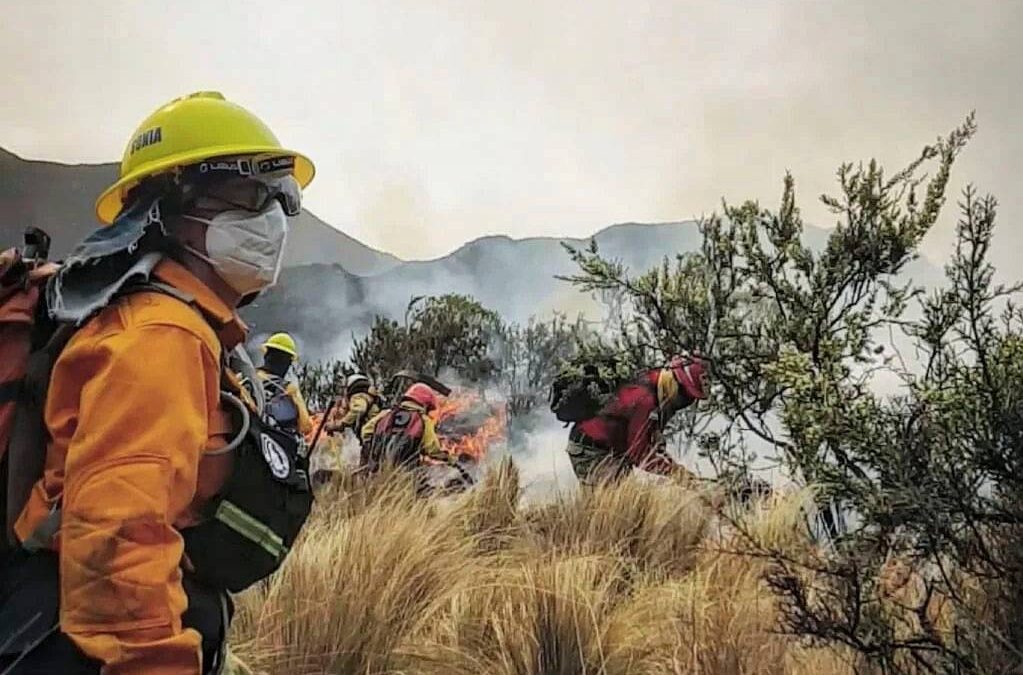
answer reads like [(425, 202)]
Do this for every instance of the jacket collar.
[(231, 330), (413, 406)]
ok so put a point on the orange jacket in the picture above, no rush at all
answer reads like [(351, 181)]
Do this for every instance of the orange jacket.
[(132, 405)]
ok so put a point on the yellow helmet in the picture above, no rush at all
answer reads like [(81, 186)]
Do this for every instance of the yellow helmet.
[(282, 342), (189, 130)]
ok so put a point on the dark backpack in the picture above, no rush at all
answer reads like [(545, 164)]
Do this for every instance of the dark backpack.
[(279, 406), (250, 526), (579, 394), (24, 329), (397, 438)]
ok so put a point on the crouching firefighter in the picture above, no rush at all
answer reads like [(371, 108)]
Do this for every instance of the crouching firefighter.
[(361, 405), (142, 483), (406, 435), (627, 431)]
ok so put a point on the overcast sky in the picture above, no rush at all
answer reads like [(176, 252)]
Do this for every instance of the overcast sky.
[(433, 123)]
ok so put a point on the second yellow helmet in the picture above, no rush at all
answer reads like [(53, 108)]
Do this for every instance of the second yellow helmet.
[(282, 342)]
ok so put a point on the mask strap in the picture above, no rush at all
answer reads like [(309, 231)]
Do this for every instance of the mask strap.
[(201, 256)]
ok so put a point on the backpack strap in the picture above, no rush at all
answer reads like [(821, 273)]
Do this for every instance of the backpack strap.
[(10, 390), (28, 433), (45, 531), (274, 386), (238, 361)]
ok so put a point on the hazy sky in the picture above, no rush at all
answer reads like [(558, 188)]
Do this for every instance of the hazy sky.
[(433, 123)]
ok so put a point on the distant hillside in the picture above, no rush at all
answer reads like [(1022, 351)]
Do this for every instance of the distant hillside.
[(59, 198), (324, 305)]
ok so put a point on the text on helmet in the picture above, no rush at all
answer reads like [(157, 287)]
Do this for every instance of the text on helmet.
[(146, 138)]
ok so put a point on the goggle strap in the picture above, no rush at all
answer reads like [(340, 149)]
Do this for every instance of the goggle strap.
[(244, 166)]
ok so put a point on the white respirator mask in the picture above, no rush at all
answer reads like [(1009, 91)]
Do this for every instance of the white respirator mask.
[(245, 248)]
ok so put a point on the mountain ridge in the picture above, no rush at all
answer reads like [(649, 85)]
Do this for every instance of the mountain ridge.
[(333, 286)]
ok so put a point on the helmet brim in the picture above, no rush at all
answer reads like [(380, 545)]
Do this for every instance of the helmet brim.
[(290, 352), (111, 201)]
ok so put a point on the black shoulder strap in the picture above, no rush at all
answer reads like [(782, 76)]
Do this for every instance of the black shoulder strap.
[(276, 386), (26, 450), (10, 390)]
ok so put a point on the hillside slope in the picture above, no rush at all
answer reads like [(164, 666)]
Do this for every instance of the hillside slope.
[(324, 305)]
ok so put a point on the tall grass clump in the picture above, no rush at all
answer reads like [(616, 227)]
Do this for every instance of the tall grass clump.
[(355, 587), (631, 578)]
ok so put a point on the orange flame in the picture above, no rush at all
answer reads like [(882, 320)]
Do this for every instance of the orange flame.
[(464, 404), (316, 418), (336, 414)]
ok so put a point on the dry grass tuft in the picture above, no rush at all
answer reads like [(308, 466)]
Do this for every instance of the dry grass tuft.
[(545, 616), (490, 512), (655, 527), (355, 588), (624, 579)]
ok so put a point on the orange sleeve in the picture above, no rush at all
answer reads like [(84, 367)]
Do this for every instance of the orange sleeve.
[(131, 471)]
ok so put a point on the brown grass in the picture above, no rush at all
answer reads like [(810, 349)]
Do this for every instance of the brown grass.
[(627, 579)]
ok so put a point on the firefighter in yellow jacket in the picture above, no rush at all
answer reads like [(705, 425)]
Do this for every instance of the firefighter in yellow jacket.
[(133, 409), (405, 434), (361, 405), (284, 400)]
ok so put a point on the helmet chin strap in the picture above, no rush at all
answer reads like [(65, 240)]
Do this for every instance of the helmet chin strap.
[(247, 299)]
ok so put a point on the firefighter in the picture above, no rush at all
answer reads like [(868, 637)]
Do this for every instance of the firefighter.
[(362, 405), (133, 409), (627, 431), (406, 435), (284, 401)]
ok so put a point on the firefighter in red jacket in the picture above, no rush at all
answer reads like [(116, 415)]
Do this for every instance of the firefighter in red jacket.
[(627, 432)]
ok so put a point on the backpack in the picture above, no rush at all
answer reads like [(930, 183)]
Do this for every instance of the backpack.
[(279, 406), (23, 327), (578, 394), (397, 438), (250, 525)]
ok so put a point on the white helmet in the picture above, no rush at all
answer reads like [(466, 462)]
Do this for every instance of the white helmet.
[(355, 380)]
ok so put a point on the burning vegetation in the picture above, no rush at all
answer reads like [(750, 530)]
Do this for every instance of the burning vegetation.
[(468, 425)]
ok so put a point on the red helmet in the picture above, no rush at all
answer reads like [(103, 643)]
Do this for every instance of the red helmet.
[(421, 394), (689, 373)]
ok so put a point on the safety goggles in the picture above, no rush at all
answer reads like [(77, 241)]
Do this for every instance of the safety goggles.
[(249, 194), (248, 183)]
